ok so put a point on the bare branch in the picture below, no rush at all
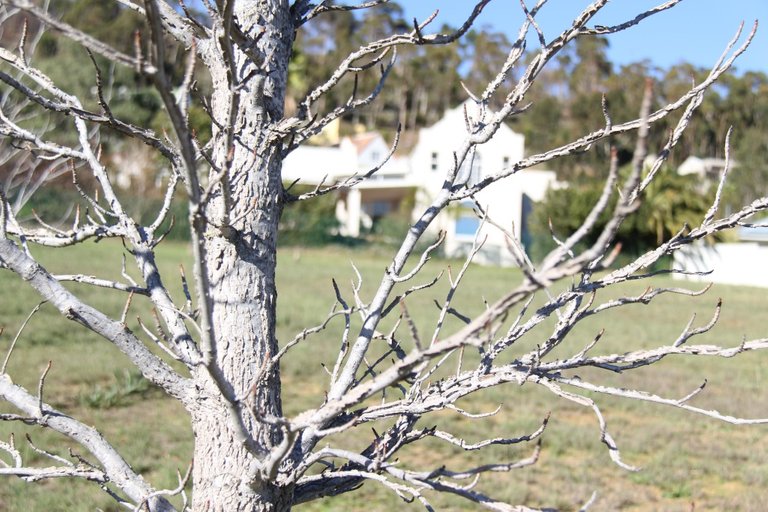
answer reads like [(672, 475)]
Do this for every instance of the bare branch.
[(324, 7), (719, 193), (679, 403), (376, 47), (464, 445), (602, 30), (349, 182), (51, 290), (102, 283), (80, 37), (114, 467), (3, 370)]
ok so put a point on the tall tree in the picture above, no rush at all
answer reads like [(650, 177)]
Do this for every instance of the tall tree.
[(248, 455), (483, 48)]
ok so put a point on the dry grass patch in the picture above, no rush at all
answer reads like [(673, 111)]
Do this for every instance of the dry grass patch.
[(685, 459)]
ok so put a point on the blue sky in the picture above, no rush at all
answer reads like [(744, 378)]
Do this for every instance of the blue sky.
[(695, 31)]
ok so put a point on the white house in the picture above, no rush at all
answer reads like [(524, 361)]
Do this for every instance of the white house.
[(420, 175), (705, 168), (736, 263)]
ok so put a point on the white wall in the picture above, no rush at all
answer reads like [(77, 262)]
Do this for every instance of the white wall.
[(503, 201), (736, 263), (311, 164), (446, 137)]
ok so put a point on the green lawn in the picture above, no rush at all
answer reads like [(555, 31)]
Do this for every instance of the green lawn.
[(686, 460)]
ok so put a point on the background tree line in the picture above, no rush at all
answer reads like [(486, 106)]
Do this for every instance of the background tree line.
[(565, 102)]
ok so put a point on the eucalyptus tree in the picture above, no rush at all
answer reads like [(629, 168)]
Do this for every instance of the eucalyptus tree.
[(248, 454)]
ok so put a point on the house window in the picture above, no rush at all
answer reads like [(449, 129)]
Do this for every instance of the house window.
[(467, 225), (505, 162), (375, 156), (467, 222), (433, 165)]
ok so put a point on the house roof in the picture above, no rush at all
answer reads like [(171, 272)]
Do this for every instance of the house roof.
[(452, 126), (362, 140), (408, 140)]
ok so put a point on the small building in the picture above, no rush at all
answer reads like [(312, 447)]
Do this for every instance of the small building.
[(705, 168), (737, 263), (741, 262), (416, 178)]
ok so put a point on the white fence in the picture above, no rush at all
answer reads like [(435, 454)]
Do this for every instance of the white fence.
[(736, 263)]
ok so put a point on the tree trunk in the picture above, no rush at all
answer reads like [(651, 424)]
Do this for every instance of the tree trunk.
[(242, 303), (240, 257)]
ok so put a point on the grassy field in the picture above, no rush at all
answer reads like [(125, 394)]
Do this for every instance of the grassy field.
[(688, 462)]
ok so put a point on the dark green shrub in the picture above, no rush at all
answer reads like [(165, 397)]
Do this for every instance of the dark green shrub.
[(311, 222)]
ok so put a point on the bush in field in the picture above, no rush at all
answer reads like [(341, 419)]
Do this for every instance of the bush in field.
[(673, 202)]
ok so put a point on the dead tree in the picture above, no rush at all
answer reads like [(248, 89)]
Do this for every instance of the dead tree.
[(248, 455)]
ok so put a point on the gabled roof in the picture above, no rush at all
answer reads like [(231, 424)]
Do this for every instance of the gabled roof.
[(363, 140), (454, 122)]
